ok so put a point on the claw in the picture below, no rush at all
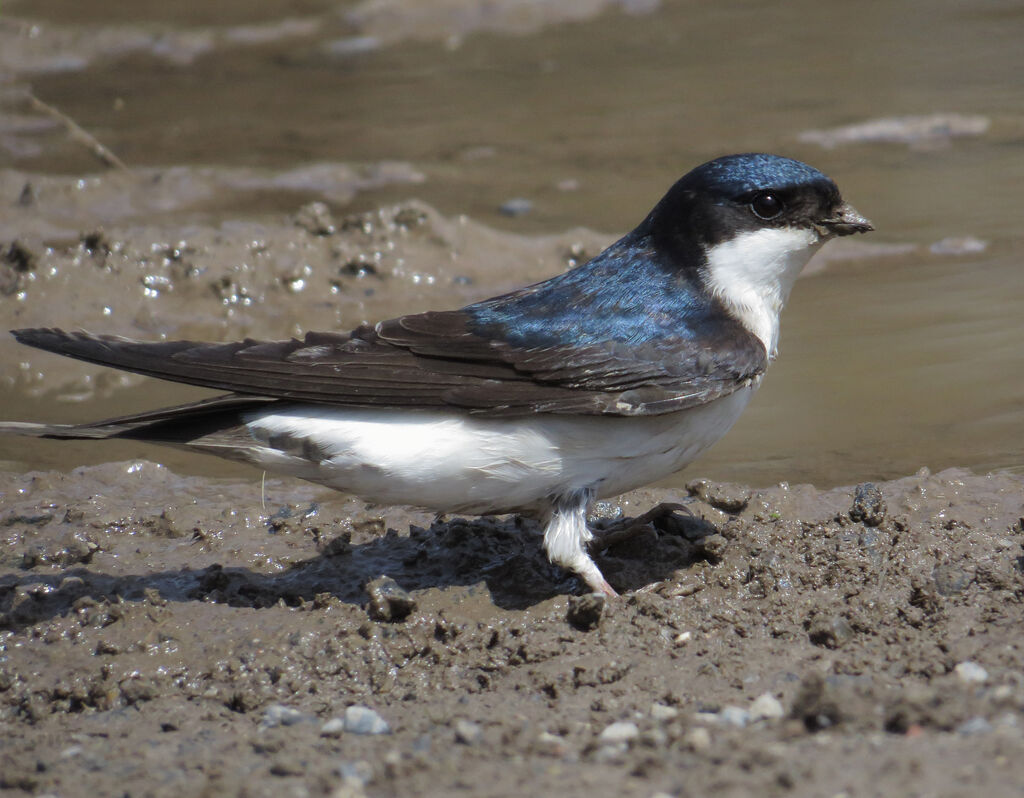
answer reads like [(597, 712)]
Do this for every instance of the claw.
[(604, 587)]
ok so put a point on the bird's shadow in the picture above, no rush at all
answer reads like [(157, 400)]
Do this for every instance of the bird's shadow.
[(503, 552)]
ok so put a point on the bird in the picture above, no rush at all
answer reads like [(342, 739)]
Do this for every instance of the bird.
[(541, 401)]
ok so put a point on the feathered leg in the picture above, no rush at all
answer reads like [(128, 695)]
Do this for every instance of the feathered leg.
[(566, 536)]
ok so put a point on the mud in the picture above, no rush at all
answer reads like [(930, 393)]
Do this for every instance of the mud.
[(176, 635), (172, 625)]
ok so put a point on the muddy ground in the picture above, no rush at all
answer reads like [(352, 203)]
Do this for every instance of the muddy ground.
[(192, 636), (170, 626)]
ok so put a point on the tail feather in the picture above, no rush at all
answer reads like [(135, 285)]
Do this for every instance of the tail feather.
[(61, 431), (175, 425)]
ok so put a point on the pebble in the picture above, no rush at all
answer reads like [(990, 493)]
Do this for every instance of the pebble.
[(697, 739), (712, 546), (281, 715), (358, 772), (467, 732), (663, 713), (315, 218), (517, 206), (585, 611), (975, 725), (766, 707), (363, 720), (971, 672), (548, 744), (389, 601), (733, 716), (619, 732), (868, 505), (610, 754), (333, 728), (727, 498)]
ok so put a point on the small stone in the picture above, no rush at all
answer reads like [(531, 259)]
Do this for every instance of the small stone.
[(766, 707), (682, 638), (19, 257), (585, 611), (971, 672), (548, 744), (285, 767), (868, 506), (315, 218), (517, 206), (467, 732), (654, 738), (975, 725), (734, 716), (817, 704), (711, 547), (950, 580), (281, 715), (662, 713), (727, 498), (333, 728), (357, 774), (619, 732), (697, 739), (363, 720), (829, 632), (104, 646), (609, 754), (388, 600)]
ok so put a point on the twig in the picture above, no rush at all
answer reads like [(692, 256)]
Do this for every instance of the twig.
[(78, 134)]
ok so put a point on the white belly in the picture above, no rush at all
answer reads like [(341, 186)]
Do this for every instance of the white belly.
[(450, 462)]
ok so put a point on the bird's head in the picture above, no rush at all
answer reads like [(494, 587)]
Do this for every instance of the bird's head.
[(745, 225)]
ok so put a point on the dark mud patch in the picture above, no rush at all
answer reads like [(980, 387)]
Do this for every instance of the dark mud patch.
[(210, 637)]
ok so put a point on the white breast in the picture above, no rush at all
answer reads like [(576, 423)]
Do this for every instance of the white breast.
[(451, 462)]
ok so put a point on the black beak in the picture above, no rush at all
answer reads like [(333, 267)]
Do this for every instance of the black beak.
[(846, 221)]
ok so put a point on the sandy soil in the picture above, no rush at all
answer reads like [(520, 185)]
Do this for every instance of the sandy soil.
[(172, 635)]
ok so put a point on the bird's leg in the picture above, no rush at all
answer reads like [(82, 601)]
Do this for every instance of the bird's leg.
[(566, 535), (631, 527)]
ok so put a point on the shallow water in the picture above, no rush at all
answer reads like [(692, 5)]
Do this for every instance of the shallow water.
[(888, 363)]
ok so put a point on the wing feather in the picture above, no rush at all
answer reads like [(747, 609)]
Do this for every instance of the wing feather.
[(434, 360)]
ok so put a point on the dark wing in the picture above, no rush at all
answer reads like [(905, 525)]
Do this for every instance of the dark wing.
[(435, 360)]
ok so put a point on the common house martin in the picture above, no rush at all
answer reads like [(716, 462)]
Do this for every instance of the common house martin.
[(607, 377)]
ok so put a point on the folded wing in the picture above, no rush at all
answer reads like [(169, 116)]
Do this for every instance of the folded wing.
[(436, 360)]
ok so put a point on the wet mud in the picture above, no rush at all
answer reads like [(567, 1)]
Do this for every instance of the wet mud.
[(174, 625), (178, 635)]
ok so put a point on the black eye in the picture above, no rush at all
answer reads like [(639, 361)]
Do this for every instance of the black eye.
[(766, 205)]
